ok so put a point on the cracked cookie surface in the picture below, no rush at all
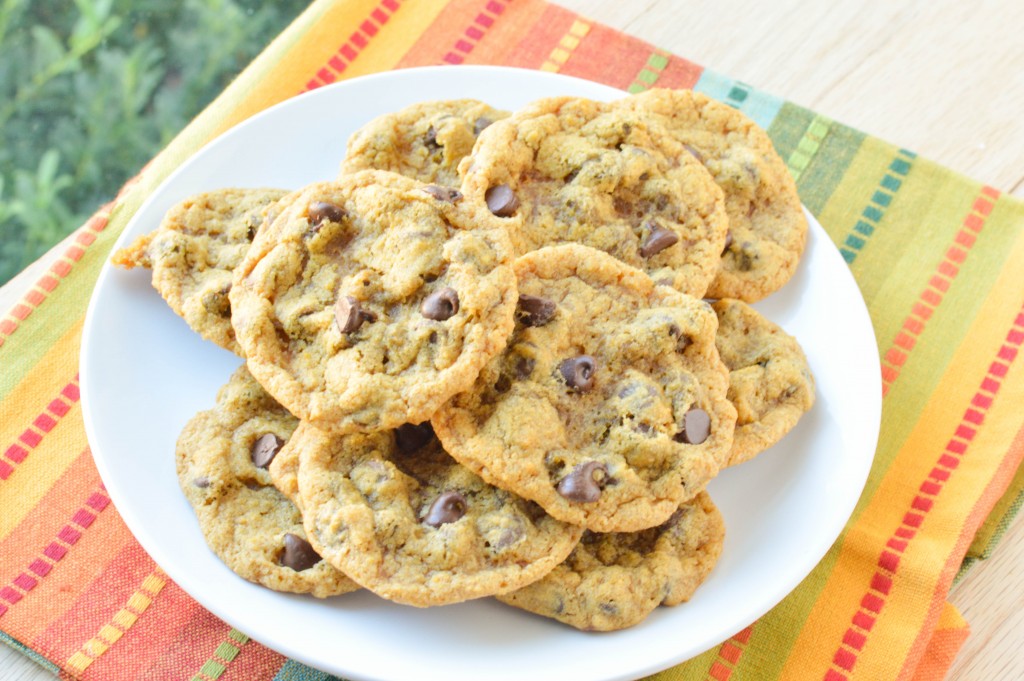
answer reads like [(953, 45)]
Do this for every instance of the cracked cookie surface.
[(614, 581), (406, 521), (194, 251), (221, 459), (371, 300), (425, 141), (770, 381), (608, 406), (571, 170), (767, 226)]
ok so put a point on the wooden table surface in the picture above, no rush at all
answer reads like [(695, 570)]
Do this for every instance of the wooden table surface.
[(944, 78)]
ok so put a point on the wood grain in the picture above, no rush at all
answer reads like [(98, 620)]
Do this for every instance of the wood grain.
[(941, 77)]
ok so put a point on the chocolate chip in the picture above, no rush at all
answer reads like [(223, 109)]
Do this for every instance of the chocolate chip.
[(430, 139), (747, 257), (578, 372), (503, 384), (524, 367), (443, 193), (501, 200), (534, 310), (447, 508), (658, 240), (584, 483), (410, 437), (217, 303), (481, 124), (265, 449), (201, 482), (298, 553), (321, 210), (682, 341), (440, 305), (508, 537), (696, 427), (693, 152), (349, 314), (728, 241)]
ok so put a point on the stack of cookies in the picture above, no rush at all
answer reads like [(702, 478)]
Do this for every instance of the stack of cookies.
[(501, 354)]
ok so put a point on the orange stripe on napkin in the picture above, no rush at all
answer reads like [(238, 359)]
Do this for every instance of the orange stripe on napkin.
[(945, 643)]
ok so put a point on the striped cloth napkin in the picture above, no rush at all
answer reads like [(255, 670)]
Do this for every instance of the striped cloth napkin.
[(936, 256)]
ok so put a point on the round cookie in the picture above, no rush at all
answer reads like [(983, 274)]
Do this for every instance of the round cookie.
[(194, 251), (425, 141), (770, 382), (395, 512), (767, 227), (221, 457), (371, 300), (570, 170), (614, 581), (608, 407)]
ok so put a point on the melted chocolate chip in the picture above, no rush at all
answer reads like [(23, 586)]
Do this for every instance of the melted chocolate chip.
[(578, 372), (696, 427), (447, 508), (693, 152), (658, 240), (524, 367), (682, 341), (265, 449), (534, 310), (322, 210), (440, 305), (410, 437), (501, 200), (747, 257), (584, 483), (298, 554), (442, 193), (728, 241), (481, 124), (349, 314), (217, 303), (430, 139)]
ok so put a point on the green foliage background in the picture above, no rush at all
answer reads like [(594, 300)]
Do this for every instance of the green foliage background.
[(90, 90)]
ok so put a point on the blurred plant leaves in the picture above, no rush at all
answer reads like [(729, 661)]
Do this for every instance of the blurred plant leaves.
[(90, 91)]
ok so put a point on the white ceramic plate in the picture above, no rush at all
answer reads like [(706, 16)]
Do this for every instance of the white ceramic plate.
[(144, 374)]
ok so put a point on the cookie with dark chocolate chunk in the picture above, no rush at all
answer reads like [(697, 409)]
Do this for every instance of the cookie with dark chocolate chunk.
[(424, 141), (222, 458), (613, 581), (370, 301), (571, 170), (403, 519), (608, 406), (767, 226)]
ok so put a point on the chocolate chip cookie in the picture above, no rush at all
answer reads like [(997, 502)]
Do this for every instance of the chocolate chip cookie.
[(371, 300), (613, 581), (570, 170), (425, 141), (222, 457), (767, 227), (193, 252), (608, 407), (770, 382), (403, 519)]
